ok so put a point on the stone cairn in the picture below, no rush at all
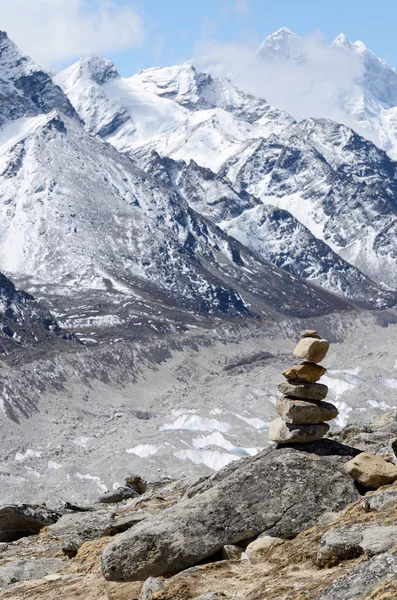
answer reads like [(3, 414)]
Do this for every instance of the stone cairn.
[(301, 408)]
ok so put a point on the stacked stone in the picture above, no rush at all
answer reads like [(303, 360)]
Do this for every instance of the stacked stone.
[(303, 414)]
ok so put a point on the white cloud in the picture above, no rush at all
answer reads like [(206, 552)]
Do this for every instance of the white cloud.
[(55, 31), (310, 88), (241, 6)]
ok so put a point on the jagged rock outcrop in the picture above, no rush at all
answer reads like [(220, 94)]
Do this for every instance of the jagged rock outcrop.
[(279, 492)]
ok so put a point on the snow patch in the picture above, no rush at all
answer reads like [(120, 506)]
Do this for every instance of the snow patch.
[(145, 450), (196, 423), (214, 459)]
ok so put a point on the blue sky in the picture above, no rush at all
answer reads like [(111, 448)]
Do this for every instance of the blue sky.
[(137, 34), (173, 27)]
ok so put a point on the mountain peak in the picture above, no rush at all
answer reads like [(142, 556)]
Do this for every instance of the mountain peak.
[(94, 67), (341, 41), (281, 44)]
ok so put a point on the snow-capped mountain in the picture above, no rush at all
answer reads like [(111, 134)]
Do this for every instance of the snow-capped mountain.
[(273, 233), (368, 99), (76, 215), (225, 152), (176, 111)]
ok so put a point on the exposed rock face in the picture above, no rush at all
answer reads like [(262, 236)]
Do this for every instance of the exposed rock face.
[(304, 391), (284, 433), (372, 471), (279, 492), (20, 521), (311, 349), (364, 579), (299, 412)]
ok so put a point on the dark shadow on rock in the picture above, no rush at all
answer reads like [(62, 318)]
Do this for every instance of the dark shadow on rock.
[(324, 447)]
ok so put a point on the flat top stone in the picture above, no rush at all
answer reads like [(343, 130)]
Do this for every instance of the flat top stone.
[(309, 333)]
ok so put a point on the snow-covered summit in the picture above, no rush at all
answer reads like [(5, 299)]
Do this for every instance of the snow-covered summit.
[(176, 111), (283, 44)]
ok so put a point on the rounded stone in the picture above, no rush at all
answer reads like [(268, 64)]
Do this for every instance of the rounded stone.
[(303, 391), (371, 470), (311, 349), (283, 433), (301, 412), (307, 372)]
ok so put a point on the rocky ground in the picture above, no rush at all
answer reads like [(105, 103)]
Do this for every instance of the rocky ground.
[(345, 549)]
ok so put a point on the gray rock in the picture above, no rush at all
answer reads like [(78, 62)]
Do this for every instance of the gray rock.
[(360, 582), (150, 587), (340, 544), (284, 433), (230, 552), (17, 521), (301, 412), (350, 542), (381, 500), (118, 495), (303, 391), (279, 491), (22, 570), (136, 483), (82, 527)]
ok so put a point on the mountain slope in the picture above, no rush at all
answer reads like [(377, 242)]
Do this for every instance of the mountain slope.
[(340, 186), (274, 234), (76, 215), (24, 323)]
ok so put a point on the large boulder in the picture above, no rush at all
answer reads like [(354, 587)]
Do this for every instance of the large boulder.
[(17, 521), (279, 491), (361, 581)]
